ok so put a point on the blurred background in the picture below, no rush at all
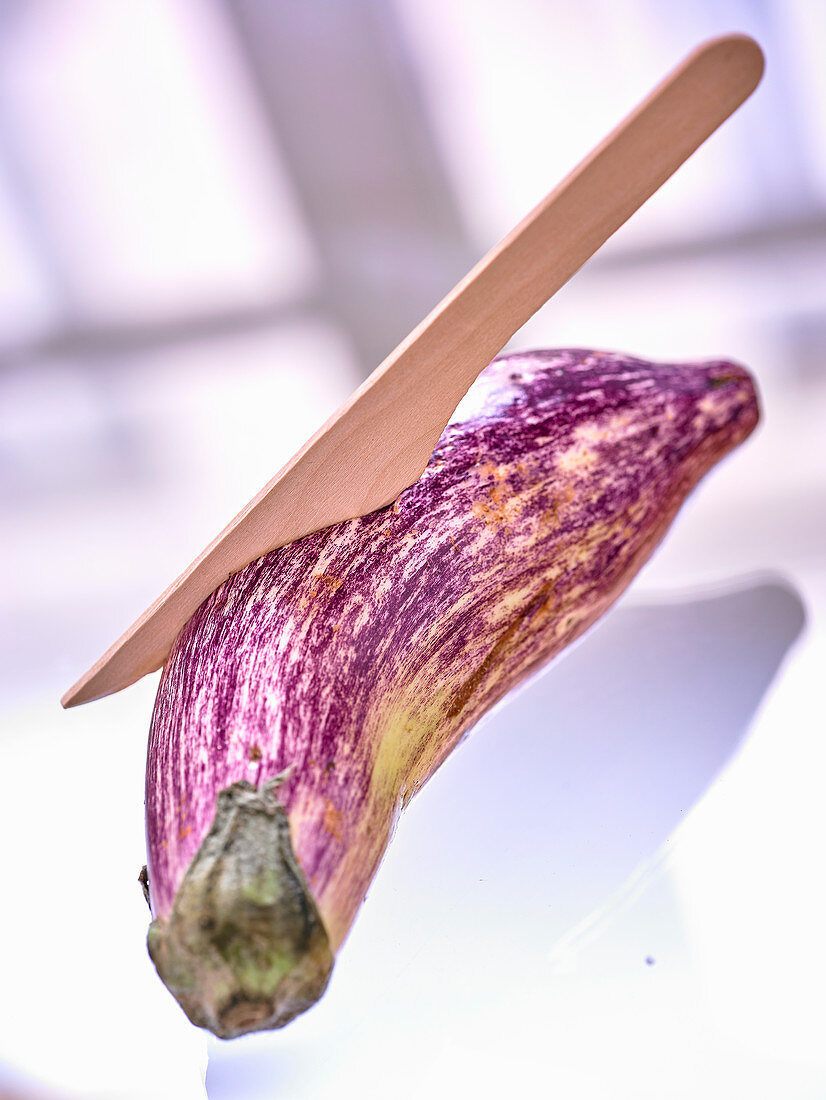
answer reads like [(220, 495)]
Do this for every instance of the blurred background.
[(216, 218)]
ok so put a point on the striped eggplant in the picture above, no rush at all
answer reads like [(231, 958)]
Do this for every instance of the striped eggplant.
[(311, 696)]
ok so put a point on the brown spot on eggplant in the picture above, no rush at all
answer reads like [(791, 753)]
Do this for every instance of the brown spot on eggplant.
[(558, 476), (332, 820), (497, 651), (325, 584)]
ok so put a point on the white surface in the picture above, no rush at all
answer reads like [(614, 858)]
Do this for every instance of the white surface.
[(80, 1009), (505, 939), (504, 942)]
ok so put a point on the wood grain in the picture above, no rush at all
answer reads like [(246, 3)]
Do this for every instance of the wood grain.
[(379, 441)]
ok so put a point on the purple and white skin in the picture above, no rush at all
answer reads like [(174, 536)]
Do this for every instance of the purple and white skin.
[(313, 694)]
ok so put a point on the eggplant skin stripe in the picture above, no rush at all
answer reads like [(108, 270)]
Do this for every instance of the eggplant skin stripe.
[(315, 691)]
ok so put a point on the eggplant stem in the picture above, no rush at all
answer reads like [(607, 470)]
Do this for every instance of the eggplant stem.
[(244, 948)]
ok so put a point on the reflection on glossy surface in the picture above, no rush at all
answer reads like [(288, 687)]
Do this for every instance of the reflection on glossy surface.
[(465, 942)]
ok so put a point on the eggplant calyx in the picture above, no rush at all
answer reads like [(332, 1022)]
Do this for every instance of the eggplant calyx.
[(243, 947)]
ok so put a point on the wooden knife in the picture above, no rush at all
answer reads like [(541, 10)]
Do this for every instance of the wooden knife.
[(379, 441)]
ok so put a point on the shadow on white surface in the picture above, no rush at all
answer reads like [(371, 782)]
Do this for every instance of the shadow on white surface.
[(454, 976)]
